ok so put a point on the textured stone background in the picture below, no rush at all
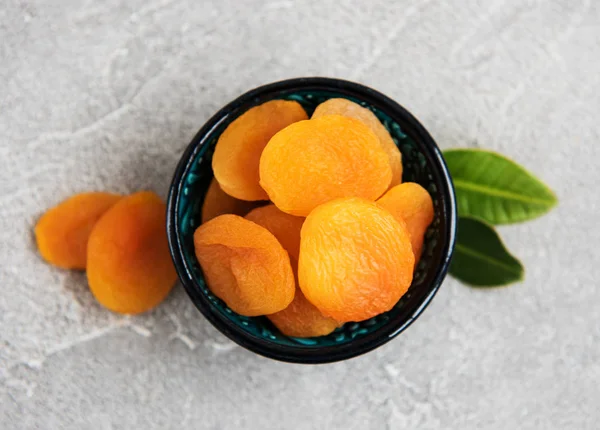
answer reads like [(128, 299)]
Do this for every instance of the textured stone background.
[(106, 94)]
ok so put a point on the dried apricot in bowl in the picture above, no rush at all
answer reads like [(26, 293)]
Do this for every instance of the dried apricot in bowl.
[(129, 267), (411, 203), (62, 233), (217, 202), (312, 162), (350, 109), (302, 319), (244, 265), (356, 259), (285, 227), (238, 150)]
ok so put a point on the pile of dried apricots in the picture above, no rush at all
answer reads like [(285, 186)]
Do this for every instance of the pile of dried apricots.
[(337, 242), (120, 241), (340, 236)]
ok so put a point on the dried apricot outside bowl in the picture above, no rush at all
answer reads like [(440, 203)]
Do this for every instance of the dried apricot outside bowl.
[(422, 163)]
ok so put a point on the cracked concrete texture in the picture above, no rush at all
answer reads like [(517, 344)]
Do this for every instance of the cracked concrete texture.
[(105, 95)]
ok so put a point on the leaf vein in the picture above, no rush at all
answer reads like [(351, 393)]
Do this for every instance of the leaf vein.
[(483, 189), (479, 256)]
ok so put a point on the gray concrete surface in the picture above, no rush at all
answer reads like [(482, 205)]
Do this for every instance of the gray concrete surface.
[(106, 94)]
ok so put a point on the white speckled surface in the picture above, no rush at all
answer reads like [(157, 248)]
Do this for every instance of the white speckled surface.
[(106, 94)]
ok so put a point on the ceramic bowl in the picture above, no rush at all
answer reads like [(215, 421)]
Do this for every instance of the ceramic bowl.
[(422, 163)]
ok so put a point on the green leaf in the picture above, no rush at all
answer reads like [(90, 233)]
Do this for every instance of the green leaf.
[(495, 189), (480, 258)]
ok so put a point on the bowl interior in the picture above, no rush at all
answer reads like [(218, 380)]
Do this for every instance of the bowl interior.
[(418, 166)]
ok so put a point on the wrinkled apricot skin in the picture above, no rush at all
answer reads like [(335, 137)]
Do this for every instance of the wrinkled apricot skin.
[(244, 265), (413, 204), (285, 227), (312, 162), (238, 150), (350, 109), (217, 202), (302, 319), (129, 267), (62, 233), (356, 260)]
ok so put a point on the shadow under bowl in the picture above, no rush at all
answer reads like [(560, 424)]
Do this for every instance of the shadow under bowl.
[(422, 163)]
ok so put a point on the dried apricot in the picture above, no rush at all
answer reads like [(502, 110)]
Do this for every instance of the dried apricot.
[(129, 267), (356, 259), (311, 162), (302, 319), (238, 150), (411, 203), (62, 233), (350, 109), (217, 202), (285, 227), (244, 265)]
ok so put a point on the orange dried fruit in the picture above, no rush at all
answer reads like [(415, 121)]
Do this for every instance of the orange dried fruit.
[(350, 109), (244, 265), (285, 227), (62, 233), (129, 267), (312, 162), (356, 260), (302, 319), (238, 150), (412, 203), (217, 202)]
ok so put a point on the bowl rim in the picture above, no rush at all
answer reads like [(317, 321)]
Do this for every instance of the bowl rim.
[(355, 347)]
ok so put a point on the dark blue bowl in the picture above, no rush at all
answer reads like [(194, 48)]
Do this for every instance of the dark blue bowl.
[(422, 162)]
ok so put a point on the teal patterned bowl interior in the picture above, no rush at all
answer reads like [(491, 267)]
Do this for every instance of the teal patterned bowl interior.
[(194, 175)]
